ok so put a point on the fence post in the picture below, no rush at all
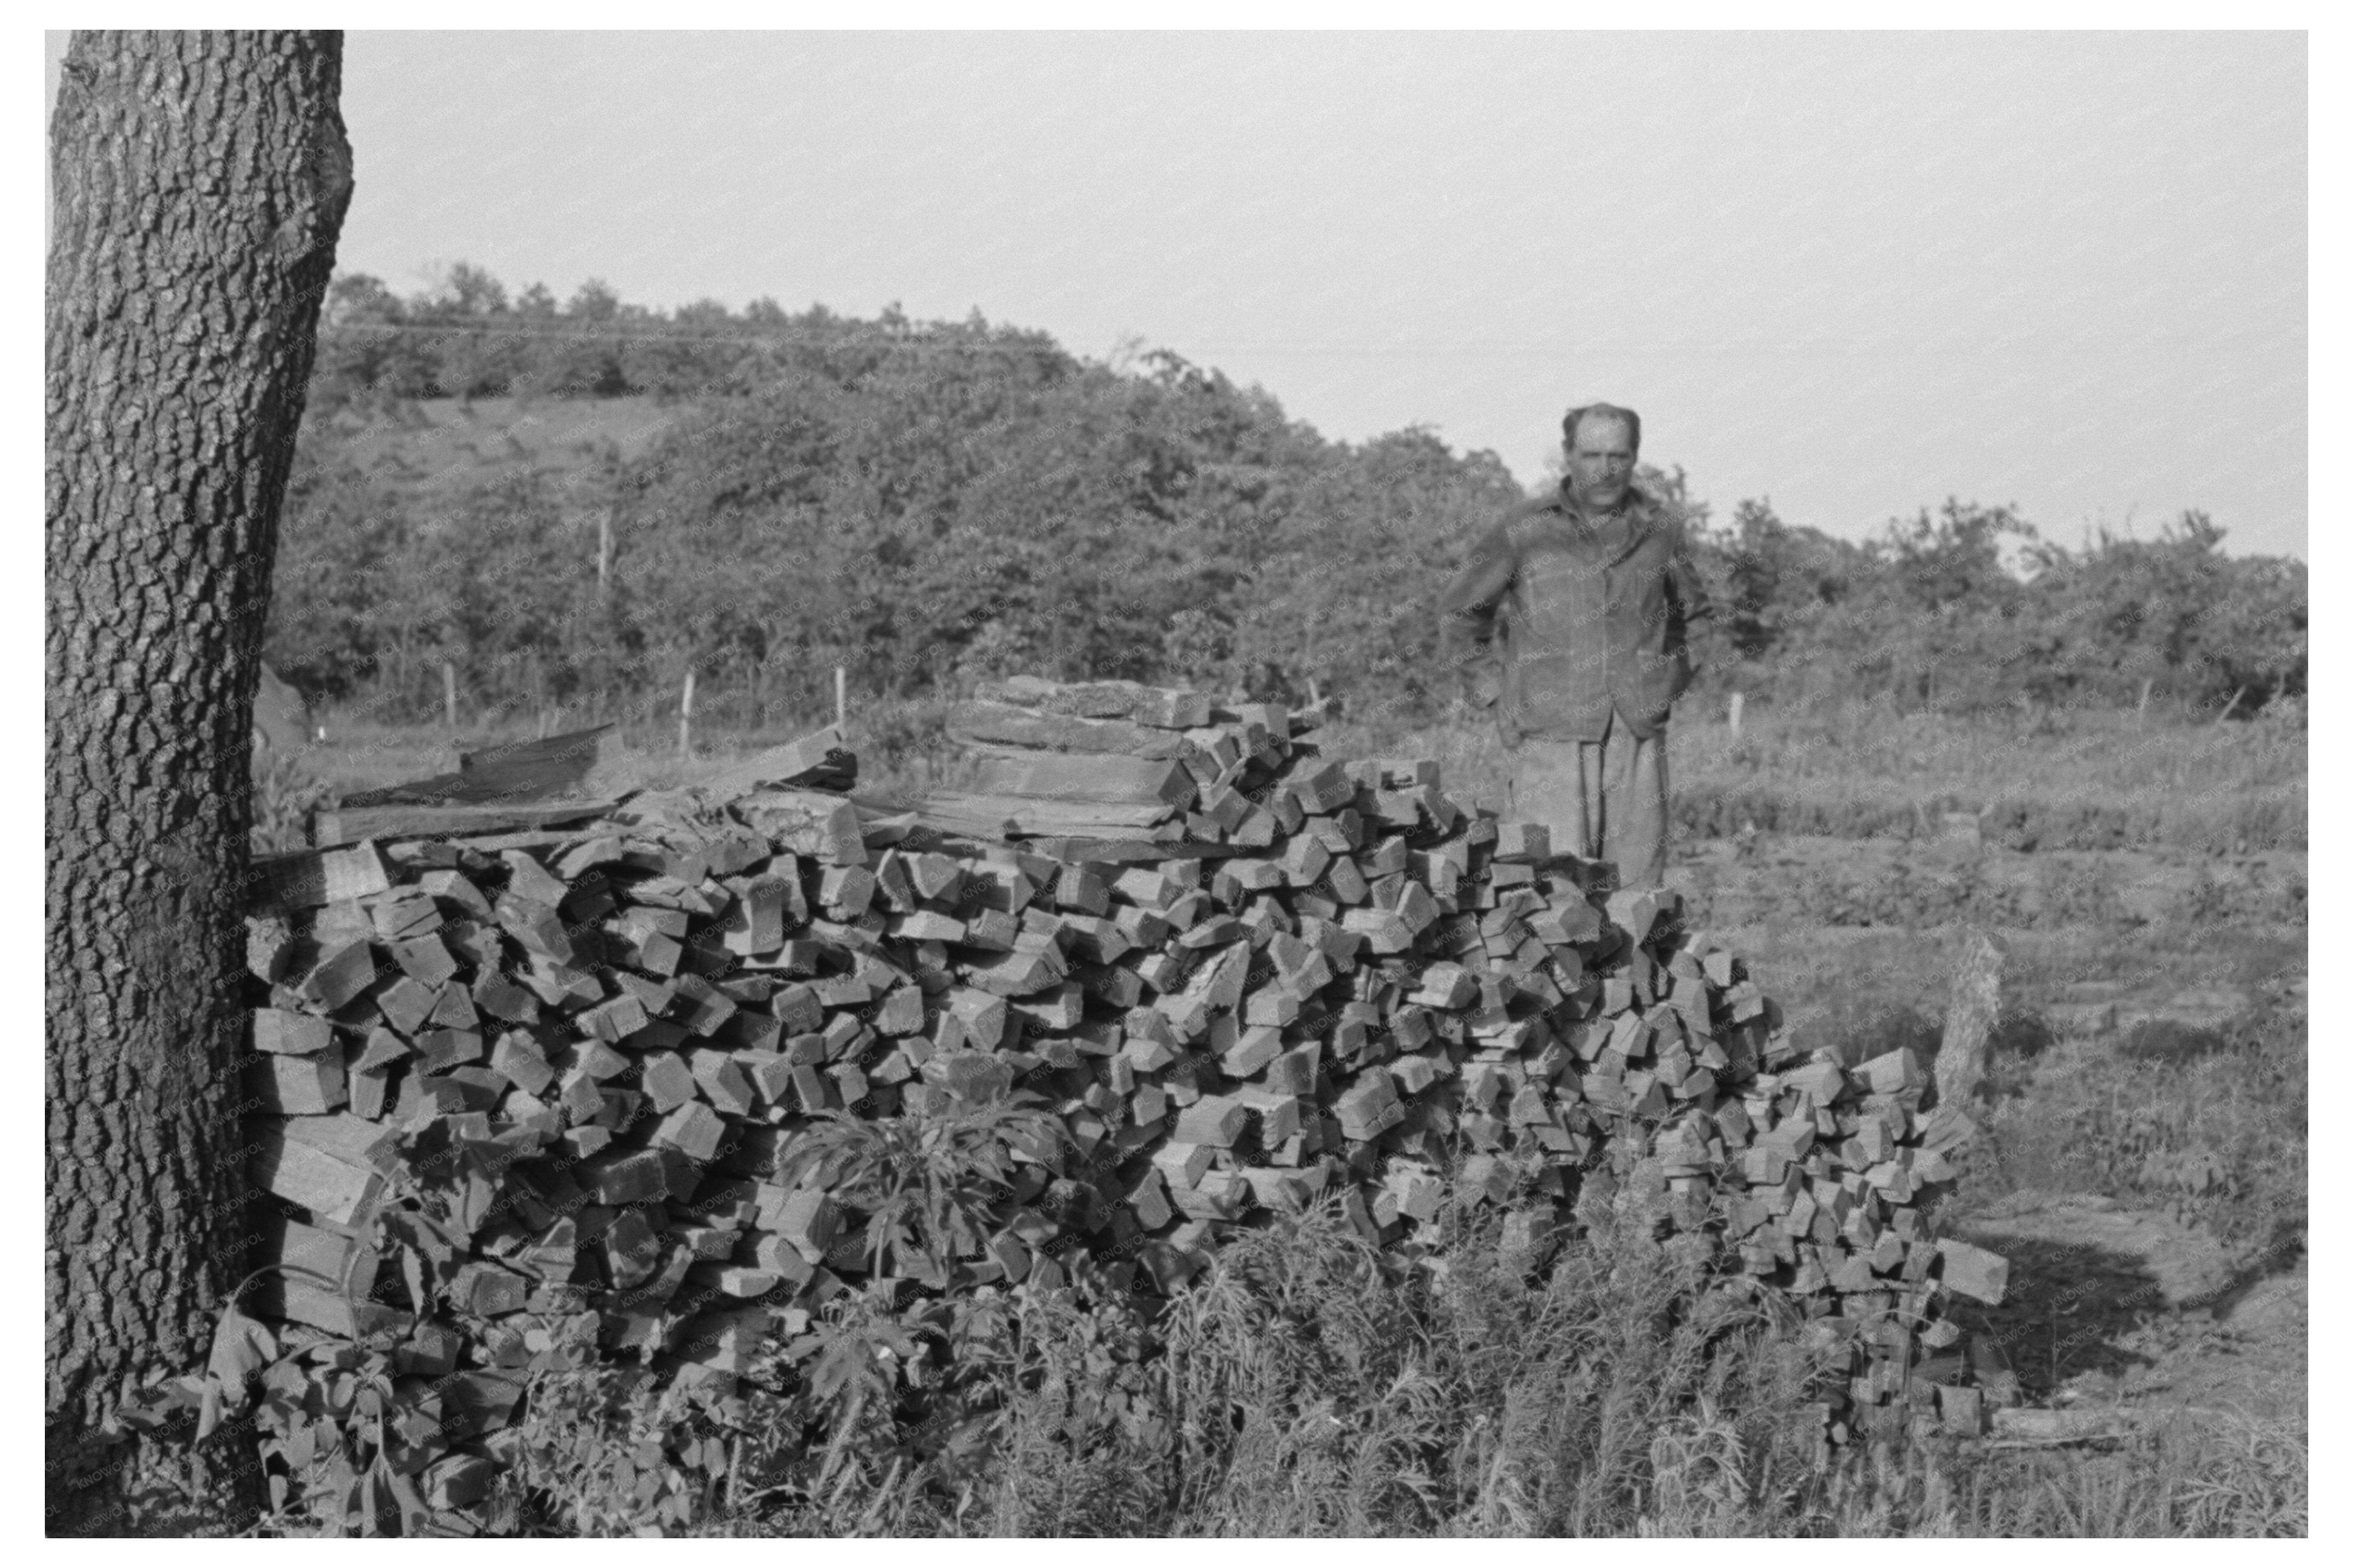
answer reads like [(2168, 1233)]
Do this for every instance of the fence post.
[(604, 550), (1974, 1007), (1732, 717), (450, 693), (686, 718), (841, 701)]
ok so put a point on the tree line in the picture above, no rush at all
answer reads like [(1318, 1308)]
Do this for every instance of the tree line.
[(926, 503)]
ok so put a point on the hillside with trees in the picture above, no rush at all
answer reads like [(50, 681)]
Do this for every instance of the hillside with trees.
[(925, 502)]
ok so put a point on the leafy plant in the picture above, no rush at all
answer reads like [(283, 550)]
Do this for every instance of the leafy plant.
[(929, 1184)]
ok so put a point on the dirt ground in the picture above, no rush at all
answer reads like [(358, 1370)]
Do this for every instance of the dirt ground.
[(2117, 1307)]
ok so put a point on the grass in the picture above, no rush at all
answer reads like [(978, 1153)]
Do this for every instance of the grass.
[(2088, 780), (1309, 1388), (2221, 1140), (2209, 1475)]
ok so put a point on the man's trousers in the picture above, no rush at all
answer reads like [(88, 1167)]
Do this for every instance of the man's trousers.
[(1602, 800)]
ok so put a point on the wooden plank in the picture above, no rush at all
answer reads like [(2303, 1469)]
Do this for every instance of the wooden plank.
[(820, 760), (290, 1033), (530, 770), (763, 909), (1016, 973), (342, 971), (1370, 1107), (384, 822), (297, 1085), (329, 1260), (1170, 709), (1973, 1271), (1112, 781), (318, 1277), (808, 823), (1522, 842), (311, 879), (1002, 816), (809, 1221), (319, 1163), (346, 1138), (504, 776), (1130, 851), (1213, 1120), (1164, 706), (533, 838), (1000, 729)]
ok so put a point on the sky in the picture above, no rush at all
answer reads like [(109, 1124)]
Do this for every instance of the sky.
[(1855, 273)]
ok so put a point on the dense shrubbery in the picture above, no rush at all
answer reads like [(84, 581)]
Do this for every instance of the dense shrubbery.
[(927, 501), (1930, 613)]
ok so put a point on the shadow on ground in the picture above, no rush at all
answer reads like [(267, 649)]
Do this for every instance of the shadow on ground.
[(2068, 1309)]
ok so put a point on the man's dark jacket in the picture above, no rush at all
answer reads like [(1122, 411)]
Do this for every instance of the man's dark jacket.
[(1560, 617)]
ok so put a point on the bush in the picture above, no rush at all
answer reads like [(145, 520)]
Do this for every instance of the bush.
[(1931, 615)]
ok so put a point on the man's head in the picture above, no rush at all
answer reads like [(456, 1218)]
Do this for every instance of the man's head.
[(1602, 442)]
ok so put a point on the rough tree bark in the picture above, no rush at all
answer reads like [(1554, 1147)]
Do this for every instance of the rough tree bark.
[(200, 181), (1975, 1006)]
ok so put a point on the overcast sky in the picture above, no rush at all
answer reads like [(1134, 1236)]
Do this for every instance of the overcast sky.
[(1855, 272)]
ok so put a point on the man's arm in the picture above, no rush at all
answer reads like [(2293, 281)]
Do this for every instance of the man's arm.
[(1468, 615)]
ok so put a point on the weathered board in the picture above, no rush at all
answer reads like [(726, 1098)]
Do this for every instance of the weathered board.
[(349, 826), (1094, 780), (821, 761), (520, 771), (999, 816), (1003, 728)]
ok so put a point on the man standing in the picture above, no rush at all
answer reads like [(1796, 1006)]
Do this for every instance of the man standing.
[(1574, 610)]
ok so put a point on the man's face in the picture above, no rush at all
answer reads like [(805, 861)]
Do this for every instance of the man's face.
[(1601, 462)]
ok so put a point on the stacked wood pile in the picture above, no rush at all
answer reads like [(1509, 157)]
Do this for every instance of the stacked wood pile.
[(515, 1091)]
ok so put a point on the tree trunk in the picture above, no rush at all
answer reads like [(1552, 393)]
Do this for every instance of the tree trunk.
[(200, 180)]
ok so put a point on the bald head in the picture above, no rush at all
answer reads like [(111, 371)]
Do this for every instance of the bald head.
[(1626, 416)]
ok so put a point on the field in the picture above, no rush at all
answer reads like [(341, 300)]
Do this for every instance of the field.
[(2144, 1165)]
